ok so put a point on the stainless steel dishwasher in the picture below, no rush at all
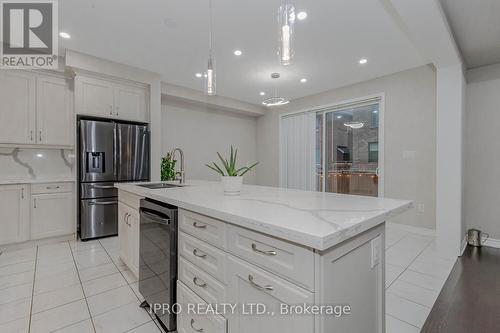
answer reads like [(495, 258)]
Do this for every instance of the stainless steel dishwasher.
[(158, 260)]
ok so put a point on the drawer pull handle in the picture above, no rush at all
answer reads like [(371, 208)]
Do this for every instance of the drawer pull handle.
[(195, 281), (267, 287), (53, 187), (267, 253), (199, 226), (194, 328), (197, 253)]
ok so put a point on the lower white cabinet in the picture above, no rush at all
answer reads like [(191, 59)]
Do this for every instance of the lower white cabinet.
[(128, 234), (190, 322), (14, 213), (51, 215), (248, 284), (278, 286)]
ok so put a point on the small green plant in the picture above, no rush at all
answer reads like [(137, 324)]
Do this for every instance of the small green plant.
[(229, 167), (168, 168)]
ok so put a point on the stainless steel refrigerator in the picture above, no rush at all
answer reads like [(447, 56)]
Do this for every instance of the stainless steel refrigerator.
[(109, 152)]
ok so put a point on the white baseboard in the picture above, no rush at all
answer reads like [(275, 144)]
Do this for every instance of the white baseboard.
[(492, 243), (413, 229), (33, 243), (464, 246)]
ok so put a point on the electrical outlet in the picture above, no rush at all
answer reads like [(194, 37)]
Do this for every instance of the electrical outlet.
[(421, 208), (376, 251)]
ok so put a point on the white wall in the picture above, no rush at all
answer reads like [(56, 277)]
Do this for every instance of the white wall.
[(410, 137), (482, 150), (202, 132), (450, 226)]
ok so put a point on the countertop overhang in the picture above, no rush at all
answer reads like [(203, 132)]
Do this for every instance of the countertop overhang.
[(315, 220)]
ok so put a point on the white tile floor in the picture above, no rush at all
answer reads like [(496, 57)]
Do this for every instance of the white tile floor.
[(415, 274), (84, 287), (70, 287)]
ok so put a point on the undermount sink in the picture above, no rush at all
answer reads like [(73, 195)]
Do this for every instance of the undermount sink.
[(159, 185)]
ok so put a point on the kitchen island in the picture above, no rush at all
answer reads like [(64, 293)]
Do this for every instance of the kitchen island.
[(286, 249)]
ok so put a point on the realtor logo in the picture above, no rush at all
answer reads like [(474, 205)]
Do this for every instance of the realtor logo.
[(29, 37)]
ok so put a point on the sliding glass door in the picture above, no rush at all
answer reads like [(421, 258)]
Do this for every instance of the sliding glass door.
[(347, 149)]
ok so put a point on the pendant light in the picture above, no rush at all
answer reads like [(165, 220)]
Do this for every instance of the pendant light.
[(210, 86), (275, 100), (286, 22)]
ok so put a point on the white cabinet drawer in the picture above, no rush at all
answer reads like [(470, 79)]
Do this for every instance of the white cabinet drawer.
[(51, 188), (250, 284), (290, 261), (211, 290), (207, 257), (190, 322), (202, 227)]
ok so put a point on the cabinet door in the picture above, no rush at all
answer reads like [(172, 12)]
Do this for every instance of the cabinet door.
[(123, 232), (17, 114), (51, 215), (14, 213), (54, 120), (130, 103), (249, 284), (93, 97), (133, 224)]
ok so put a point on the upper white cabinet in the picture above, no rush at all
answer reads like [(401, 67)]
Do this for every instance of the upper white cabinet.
[(17, 114), (93, 97), (131, 103), (14, 213), (36, 109), (110, 99), (54, 121)]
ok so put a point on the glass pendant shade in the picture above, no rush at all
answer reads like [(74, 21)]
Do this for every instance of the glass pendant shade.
[(286, 22), (210, 86)]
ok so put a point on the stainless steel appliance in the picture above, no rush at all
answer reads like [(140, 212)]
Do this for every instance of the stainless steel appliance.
[(158, 259), (109, 152)]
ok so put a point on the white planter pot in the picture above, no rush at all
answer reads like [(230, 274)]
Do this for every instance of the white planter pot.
[(232, 185)]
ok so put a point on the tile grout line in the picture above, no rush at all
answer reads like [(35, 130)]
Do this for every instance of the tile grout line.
[(128, 284), (407, 268), (33, 289), (81, 285), (409, 300), (387, 314), (411, 262)]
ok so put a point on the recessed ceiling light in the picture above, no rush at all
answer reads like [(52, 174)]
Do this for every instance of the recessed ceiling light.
[(262, 93), (198, 75), (237, 52), (363, 61), (39, 155), (64, 35), (303, 80), (302, 16), (339, 117)]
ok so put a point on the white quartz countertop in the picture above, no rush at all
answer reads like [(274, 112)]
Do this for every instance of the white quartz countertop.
[(312, 219), (12, 181)]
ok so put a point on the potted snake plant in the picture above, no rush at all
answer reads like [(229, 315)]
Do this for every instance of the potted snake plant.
[(231, 175)]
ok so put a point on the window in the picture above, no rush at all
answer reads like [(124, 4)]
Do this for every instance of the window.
[(373, 152)]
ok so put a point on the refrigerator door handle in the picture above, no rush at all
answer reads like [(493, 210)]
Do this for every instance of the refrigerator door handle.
[(103, 203), (101, 187)]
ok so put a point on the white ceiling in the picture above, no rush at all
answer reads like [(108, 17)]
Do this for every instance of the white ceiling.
[(170, 37), (476, 27)]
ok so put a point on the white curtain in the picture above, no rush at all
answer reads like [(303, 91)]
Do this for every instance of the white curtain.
[(298, 151)]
